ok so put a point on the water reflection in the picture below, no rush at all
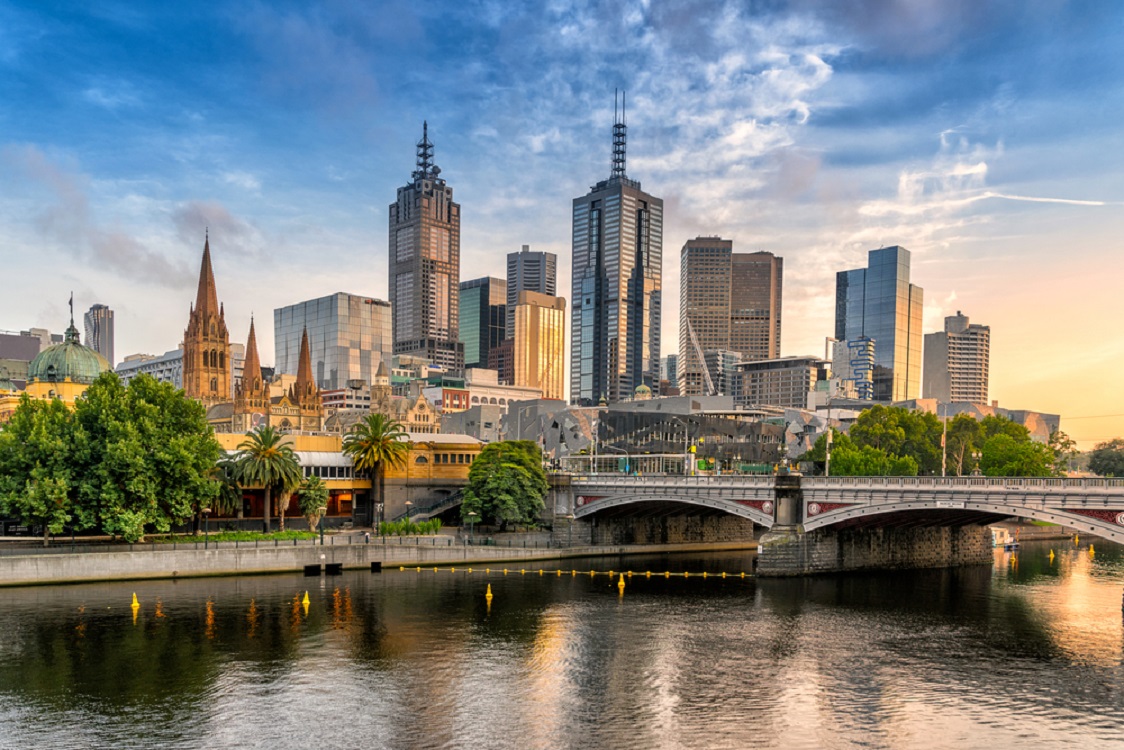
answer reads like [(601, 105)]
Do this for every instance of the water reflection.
[(977, 657)]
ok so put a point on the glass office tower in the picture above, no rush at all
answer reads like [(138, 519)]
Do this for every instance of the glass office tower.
[(879, 303), (348, 336), (617, 279), (483, 313)]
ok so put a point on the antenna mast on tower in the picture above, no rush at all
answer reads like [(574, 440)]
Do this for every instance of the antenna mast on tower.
[(620, 136)]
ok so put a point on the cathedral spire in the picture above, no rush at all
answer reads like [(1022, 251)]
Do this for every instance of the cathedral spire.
[(207, 298), (304, 367), (251, 369)]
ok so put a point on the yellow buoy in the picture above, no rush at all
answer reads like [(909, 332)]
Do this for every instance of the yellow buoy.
[(723, 574), (470, 570), (686, 574), (620, 583), (305, 600), (401, 567), (135, 602), (704, 574), (487, 570), (452, 570), (540, 571), (419, 568), (1051, 555), (488, 595), (505, 571), (647, 574), (1092, 552), (743, 574), (592, 573), (435, 569), (667, 574), (573, 572), (559, 571)]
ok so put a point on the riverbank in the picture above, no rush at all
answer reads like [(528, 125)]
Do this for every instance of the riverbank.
[(163, 563)]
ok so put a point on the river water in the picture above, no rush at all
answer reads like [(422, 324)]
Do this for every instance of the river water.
[(1027, 652)]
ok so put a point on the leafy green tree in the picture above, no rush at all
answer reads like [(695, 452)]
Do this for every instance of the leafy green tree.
[(37, 479), (849, 459), (1065, 452), (268, 461), (901, 432), (999, 425), (506, 484), (1005, 456), (373, 444), (963, 441), (1107, 459), (312, 495), (228, 496), (144, 458)]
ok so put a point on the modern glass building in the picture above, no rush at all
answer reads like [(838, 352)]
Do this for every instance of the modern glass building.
[(540, 340), (99, 331), (617, 280), (483, 324), (879, 303), (425, 265), (348, 334), (528, 272)]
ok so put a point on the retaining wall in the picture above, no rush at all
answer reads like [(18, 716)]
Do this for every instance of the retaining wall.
[(673, 530)]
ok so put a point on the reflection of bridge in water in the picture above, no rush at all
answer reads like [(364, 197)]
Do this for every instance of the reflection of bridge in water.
[(801, 508)]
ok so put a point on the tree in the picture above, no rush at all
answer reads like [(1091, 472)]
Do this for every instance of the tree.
[(36, 477), (850, 459), (1107, 459), (1065, 451), (1005, 456), (228, 496), (373, 444), (312, 495), (506, 484), (963, 440), (901, 432), (268, 461), (144, 456)]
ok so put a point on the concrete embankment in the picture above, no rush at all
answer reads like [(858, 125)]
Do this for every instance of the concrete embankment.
[(58, 568)]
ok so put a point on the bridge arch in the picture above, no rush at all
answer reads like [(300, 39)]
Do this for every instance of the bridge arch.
[(761, 512), (1082, 523)]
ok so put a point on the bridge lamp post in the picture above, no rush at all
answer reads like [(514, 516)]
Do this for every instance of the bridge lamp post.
[(471, 526), (408, 504), (686, 445), (206, 527), (323, 511), (628, 456)]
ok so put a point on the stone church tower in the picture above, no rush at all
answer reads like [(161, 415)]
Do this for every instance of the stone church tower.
[(305, 394), (251, 396), (206, 342)]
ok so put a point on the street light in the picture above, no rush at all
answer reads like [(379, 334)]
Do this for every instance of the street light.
[(206, 528), (686, 444), (471, 520), (323, 511), (628, 456), (408, 504)]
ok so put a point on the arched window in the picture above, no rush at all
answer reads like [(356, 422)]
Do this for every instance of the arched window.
[(492, 400), (475, 399), (421, 460), (503, 402), (214, 384)]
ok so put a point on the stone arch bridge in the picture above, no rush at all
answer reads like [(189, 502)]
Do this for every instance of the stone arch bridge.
[(899, 513)]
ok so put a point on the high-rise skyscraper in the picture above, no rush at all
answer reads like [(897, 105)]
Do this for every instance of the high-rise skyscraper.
[(539, 343), (528, 272), (956, 361), (879, 303), (425, 251), (617, 279), (99, 331), (483, 324), (349, 334), (728, 302)]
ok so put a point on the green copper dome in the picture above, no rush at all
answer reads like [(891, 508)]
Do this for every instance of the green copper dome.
[(68, 360)]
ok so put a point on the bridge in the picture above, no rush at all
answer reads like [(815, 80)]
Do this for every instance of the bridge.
[(799, 509)]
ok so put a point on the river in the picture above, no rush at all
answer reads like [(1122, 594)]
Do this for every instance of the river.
[(1027, 652)]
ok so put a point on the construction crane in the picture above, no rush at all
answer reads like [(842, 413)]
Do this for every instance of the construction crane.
[(710, 389)]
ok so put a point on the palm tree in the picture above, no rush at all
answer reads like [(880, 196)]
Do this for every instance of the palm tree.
[(268, 462), (373, 444), (227, 474)]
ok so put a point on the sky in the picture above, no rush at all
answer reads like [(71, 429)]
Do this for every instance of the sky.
[(982, 135)]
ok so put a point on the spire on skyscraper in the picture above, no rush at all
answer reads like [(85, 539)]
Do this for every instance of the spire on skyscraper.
[(620, 136), (426, 167)]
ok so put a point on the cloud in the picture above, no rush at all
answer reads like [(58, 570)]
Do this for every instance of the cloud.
[(111, 94), (243, 180), (68, 220), (193, 219)]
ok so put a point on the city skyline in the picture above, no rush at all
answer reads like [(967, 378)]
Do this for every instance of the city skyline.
[(804, 131)]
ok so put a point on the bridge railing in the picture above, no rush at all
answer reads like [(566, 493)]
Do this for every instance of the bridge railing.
[(739, 480), (999, 483)]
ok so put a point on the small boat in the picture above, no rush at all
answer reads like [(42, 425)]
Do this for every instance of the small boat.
[(1001, 537)]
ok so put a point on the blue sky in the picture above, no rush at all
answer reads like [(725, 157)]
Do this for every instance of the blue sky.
[(983, 136)]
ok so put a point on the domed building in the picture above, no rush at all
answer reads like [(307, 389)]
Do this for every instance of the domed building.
[(62, 371)]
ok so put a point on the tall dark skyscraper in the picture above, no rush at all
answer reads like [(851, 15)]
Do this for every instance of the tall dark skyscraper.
[(879, 303), (425, 251), (529, 271), (617, 275), (483, 323), (99, 331)]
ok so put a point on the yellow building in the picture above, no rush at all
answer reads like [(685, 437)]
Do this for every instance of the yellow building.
[(540, 340), (436, 467), (63, 371)]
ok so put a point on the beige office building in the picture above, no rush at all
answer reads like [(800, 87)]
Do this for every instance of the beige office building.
[(957, 361), (728, 302), (539, 344)]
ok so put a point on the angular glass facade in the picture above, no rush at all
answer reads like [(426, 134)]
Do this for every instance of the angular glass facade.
[(879, 303), (483, 318), (348, 335)]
